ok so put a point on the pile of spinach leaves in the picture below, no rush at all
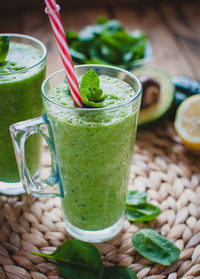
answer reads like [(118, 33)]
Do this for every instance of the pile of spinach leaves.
[(106, 42)]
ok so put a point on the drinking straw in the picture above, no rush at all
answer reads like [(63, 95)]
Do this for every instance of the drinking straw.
[(52, 9)]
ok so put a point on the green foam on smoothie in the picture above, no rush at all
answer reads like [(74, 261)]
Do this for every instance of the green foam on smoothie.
[(20, 56), (116, 91)]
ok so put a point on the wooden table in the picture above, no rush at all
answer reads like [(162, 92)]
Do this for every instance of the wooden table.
[(173, 29)]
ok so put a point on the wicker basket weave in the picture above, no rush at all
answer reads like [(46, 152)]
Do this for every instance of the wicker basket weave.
[(163, 167)]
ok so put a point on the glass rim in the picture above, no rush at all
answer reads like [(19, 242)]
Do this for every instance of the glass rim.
[(44, 55), (81, 109)]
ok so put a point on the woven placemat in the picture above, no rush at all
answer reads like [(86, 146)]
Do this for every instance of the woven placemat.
[(163, 167)]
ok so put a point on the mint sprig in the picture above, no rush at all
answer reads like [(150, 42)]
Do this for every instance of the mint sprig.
[(4, 47), (91, 93)]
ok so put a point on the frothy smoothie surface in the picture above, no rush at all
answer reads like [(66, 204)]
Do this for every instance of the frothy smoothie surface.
[(94, 150), (20, 56), (116, 92)]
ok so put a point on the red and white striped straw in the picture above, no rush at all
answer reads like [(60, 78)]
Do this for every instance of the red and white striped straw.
[(52, 9)]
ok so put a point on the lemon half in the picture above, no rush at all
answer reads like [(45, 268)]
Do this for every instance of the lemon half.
[(187, 122)]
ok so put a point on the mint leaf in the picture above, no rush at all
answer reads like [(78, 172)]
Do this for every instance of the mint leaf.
[(77, 259), (91, 93), (155, 247), (118, 272), (89, 80), (4, 46)]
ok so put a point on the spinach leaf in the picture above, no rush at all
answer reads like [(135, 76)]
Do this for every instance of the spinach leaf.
[(110, 49), (135, 52), (155, 247), (138, 49), (76, 272), (137, 208), (4, 47), (77, 259), (126, 41), (137, 35), (112, 26), (78, 55), (90, 32), (71, 36), (136, 198), (142, 213), (110, 53), (94, 49), (118, 272), (95, 60), (101, 20)]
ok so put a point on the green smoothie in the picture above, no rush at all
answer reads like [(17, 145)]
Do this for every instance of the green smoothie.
[(94, 151), (20, 99)]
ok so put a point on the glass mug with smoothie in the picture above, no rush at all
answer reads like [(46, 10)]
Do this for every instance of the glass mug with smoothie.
[(91, 150), (21, 77)]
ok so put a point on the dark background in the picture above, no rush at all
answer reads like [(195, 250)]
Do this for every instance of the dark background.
[(20, 5), (173, 27)]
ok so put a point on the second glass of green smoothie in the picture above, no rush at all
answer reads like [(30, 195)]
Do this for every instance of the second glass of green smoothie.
[(92, 150), (21, 77)]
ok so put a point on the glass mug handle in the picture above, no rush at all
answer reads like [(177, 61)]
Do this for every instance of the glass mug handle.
[(20, 132)]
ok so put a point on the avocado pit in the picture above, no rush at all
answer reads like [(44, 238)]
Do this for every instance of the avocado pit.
[(151, 91)]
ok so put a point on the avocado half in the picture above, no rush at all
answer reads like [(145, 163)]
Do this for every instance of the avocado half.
[(165, 100)]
